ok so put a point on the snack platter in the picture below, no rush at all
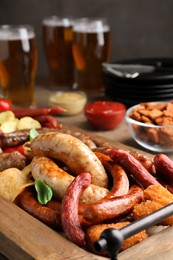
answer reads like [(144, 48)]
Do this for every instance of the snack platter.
[(24, 237)]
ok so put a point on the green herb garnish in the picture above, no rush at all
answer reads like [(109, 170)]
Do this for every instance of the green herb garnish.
[(32, 134), (44, 192)]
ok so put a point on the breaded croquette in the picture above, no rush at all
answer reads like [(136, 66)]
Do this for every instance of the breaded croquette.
[(93, 233), (156, 197)]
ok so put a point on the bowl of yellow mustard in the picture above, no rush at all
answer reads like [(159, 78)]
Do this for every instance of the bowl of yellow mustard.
[(72, 101)]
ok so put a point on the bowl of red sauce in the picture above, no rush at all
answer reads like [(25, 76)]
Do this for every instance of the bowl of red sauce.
[(104, 115)]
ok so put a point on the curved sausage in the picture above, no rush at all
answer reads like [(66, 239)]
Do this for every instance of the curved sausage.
[(114, 207), (104, 158), (127, 161), (69, 209), (73, 152), (120, 185), (47, 170), (120, 179), (49, 214), (164, 166)]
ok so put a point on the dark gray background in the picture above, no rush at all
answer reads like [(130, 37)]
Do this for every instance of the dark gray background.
[(139, 28)]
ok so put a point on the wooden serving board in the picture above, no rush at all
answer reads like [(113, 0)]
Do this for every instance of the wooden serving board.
[(22, 237)]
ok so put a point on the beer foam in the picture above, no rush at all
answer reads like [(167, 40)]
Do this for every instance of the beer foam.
[(10, 34), (57, 21), (91, 27)]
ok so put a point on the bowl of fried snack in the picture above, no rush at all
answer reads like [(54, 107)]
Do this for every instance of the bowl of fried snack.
[(151, 125)]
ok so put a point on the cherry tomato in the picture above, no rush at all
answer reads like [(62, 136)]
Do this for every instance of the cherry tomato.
[(105, 115), (5, 105)]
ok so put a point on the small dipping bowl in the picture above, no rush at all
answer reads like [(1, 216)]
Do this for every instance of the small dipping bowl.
[(104, 115), (72, 101)]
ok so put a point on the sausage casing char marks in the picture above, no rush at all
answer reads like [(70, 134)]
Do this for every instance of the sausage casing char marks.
[(69, 209), (47, 170), (73, 152)]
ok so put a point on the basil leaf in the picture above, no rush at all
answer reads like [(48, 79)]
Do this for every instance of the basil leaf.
[(32, 134), (44, 192)]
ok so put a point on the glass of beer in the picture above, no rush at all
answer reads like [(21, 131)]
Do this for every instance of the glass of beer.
[(18, 64), (57, 43), (91, 47)]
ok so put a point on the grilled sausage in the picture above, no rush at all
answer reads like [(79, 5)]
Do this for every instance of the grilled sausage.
[(73, 152), (69, 209), (49, 214), (127, 161), (12, 160), (120, 181), (164, 166), (47, 170), (120, 185), (114, 207), (21, 136)]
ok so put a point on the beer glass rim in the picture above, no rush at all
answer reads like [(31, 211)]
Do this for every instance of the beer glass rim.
[(9, 31), (91, 19), (56, 20), (91, 24)]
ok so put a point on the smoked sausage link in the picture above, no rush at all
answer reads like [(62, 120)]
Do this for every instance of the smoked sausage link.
[(14, 159), (113, 207), (69, 209), (120, 185), (48, 214), (128, 162), (164, 166), (119, 176)]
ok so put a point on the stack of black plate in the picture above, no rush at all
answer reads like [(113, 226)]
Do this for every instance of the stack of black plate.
[(156, 85)]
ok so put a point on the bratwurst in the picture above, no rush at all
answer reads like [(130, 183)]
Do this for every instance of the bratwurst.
[(72, 152), (59, 180)]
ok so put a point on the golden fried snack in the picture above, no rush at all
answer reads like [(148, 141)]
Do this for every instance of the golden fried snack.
[(155, 197), (93, 233), (12, 182)]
